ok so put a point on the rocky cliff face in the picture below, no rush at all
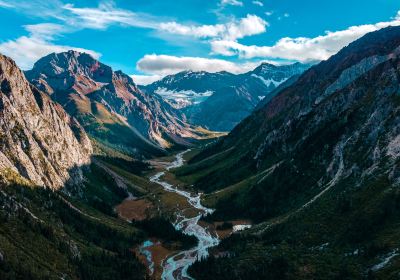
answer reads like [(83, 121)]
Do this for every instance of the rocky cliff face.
[(339, 122), (317, 167), (38, 139), (219, 101), (110, 102)]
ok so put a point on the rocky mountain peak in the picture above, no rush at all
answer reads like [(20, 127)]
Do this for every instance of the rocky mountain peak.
[(74, 62), (91, 90), (38, 139)]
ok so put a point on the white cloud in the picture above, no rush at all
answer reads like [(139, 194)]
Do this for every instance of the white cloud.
[(44, 30), (258, 3), (236, 29), (231, 2), (146, 79), (36, 8), (6, 4), (163, 65), (107, 14), (301, 48), (269, 13), (201, 31), (26, 50)]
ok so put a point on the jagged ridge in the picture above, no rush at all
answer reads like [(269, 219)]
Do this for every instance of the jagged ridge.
[(38, 139)]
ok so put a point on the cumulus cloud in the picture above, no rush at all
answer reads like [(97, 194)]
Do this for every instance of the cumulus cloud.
[(301, 48), (258, 3), (26, 50), (107, 14), (165, 64), (146, 79), (236, 29), (231, 2)]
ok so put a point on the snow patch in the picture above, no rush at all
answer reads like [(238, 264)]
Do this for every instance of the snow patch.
[(268, 82), (183, 98)]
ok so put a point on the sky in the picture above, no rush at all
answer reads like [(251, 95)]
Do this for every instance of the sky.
[(149, 39)]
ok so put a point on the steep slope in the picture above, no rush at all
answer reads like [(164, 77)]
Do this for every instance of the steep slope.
[(318, 164), (45, 236), (219, 101), (109, 104), (38, 139)]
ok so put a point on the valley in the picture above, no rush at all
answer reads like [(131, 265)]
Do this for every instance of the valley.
[(286, 168), (185, 214)]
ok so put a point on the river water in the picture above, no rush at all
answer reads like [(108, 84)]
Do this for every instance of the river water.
[(176, 266)]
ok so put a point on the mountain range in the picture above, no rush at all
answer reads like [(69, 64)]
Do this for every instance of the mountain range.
[(219, 101), (311, 164), (316, 169), (110, 106)]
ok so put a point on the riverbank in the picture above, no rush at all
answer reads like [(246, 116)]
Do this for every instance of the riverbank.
[(173, 199), (176, 266), (169, 198)]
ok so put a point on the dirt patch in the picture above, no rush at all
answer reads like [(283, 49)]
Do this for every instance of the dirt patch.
[(138, 210), (158, 254)]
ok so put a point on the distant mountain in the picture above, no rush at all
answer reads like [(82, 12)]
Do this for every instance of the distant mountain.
[(219, 101), (109, 104), (39, 141), (190, 88), (317, 169)]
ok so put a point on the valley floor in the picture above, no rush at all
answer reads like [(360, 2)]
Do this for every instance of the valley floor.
[(172, 198)]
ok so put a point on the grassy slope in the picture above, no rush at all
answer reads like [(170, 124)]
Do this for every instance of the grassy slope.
[(62, 242), (75, 237), (109, 129), (80, 236), (342, 235), (338, 237)]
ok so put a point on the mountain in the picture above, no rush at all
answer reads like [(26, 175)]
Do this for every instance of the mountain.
[(109, 105), (273, 76), (219, 101), (46, 230), (38, 139), (317, 170)]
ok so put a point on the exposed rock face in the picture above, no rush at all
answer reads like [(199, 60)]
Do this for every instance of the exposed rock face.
[(102, 99), (38, 139), (219, 101), (338, 124), (318, 164)]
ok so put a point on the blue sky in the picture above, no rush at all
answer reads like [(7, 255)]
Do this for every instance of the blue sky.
[(153, 38)]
